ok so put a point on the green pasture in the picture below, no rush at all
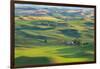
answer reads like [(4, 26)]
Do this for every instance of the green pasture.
[(53, 54), (44, 44)]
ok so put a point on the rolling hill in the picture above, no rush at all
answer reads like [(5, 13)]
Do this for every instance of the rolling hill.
[(53, 36)]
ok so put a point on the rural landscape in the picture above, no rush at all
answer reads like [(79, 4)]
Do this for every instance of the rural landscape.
[(53, 34)]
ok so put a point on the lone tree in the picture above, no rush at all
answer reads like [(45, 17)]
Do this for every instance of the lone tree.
[(77, 41), (45, 40)]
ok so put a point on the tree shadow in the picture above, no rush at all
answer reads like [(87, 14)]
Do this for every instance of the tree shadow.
[(20, 61)]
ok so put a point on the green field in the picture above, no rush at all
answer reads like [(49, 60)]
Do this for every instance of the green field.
[(43, 45), (53, 38), (53, 54)]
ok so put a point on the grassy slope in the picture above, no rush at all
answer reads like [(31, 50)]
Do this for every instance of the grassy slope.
[(56, 54), (51, 53)]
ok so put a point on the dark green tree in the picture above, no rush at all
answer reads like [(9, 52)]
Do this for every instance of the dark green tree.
[(77, 41)]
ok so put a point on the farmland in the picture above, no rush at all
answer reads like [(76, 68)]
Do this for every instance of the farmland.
[(53, 36)]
